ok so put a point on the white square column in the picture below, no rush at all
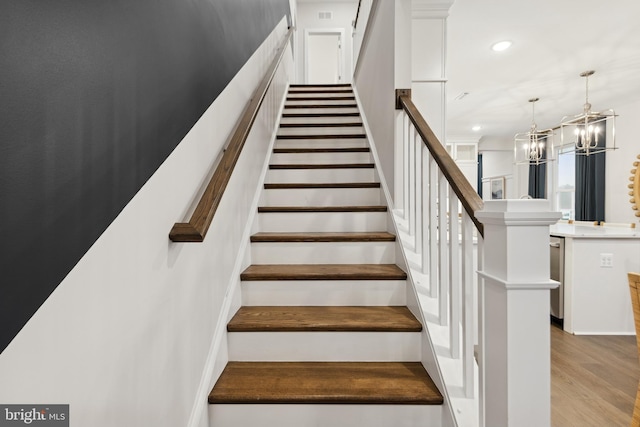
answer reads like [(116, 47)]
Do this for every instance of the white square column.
[(513, 293)]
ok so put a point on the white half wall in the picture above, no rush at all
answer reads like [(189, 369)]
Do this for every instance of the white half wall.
[(375, 82), (127, 337)]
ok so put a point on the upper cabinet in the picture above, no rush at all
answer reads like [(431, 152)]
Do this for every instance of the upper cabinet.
[(465, 155)]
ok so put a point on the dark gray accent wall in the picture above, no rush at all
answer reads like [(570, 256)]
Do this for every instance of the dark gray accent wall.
[(94, 95)]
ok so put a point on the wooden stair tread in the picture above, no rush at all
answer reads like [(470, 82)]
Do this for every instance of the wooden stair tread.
[(381, 236), (273, 209), (323, 319), (321, 98), (326, 382), (323, 272), (335, 136), (289, 185), (322, 150), (323, 166)]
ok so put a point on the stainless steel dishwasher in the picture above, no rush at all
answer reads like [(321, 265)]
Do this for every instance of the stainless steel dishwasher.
[(556, 252)]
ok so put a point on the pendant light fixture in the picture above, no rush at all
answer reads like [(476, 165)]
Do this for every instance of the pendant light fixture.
[(590, 132), (535, 146)]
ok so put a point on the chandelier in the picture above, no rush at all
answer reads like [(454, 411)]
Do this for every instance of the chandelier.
[(590, 132), (535, 146)]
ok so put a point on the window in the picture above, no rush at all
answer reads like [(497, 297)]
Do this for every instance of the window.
[(566, 189)]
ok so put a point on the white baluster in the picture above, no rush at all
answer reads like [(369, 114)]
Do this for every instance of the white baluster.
[(417, 144), (426, 210), (433, 228), (468, 319), (454, 275), (443, 269), (405, 165), (412, 178)]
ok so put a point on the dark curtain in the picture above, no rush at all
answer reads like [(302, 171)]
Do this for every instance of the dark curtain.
[(538, 179), (479, 175), (590, 179)]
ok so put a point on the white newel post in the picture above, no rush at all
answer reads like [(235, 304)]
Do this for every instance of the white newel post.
[(513, 292)]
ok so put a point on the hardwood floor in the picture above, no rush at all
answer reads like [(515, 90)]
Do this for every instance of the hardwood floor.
[(593, 379)]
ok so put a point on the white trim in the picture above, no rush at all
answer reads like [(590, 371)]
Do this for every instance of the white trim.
[(548, 284), (325, 31)]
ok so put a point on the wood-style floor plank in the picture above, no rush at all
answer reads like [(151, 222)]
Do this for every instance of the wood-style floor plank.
[(326, 383), (593, 379), (323, 272), (323, 318)]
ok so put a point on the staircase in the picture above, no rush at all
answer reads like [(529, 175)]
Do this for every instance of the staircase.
[(323, 337)]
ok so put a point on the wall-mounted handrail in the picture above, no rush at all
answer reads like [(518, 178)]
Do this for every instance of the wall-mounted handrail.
[(355, 21), (469, 198), (196, 229)]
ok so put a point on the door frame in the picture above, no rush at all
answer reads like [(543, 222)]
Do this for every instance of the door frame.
[(324, 31)]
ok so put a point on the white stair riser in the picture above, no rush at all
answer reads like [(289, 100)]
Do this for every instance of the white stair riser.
[(321, 196), (322, 158), (322, 143), (337, 130), (324, 292), (333, 119), (323, 221), (324, 346), (320, 102), (307, 415), (321, 175), (332, 110), (323, 253), (293, 94)]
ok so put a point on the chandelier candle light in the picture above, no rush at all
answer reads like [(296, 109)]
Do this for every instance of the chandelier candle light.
[(591, 132), (536, 146)]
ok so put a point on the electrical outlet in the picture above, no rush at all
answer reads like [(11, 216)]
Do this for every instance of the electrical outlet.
[(606, 260)]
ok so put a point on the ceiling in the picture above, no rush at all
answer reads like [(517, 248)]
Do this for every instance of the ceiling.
[(553, 42)]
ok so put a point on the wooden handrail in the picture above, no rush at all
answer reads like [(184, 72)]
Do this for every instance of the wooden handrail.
[(196, 229), (355, 22), (469, 198)]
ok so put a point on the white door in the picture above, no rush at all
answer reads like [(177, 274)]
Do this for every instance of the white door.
[(324, 58)]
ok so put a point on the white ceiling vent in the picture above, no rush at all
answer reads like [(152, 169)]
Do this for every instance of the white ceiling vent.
[(325, 15)]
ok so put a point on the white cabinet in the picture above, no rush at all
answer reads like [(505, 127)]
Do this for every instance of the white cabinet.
[(465, 155)]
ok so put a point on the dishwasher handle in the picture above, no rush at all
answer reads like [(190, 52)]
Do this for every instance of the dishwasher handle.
[(554, 245)]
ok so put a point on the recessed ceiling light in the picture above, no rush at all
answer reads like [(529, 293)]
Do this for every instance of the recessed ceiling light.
[(476, 128), (500, 46)]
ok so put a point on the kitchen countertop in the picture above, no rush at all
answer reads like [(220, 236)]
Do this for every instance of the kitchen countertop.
[(593, 232)]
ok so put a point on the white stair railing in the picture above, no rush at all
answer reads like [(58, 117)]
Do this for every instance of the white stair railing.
[(484, 295), (442, 230)]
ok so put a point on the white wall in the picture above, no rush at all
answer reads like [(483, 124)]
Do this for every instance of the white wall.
[(499, 164), (343, 14), (374, 81), (620, 163), (127, 338)]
